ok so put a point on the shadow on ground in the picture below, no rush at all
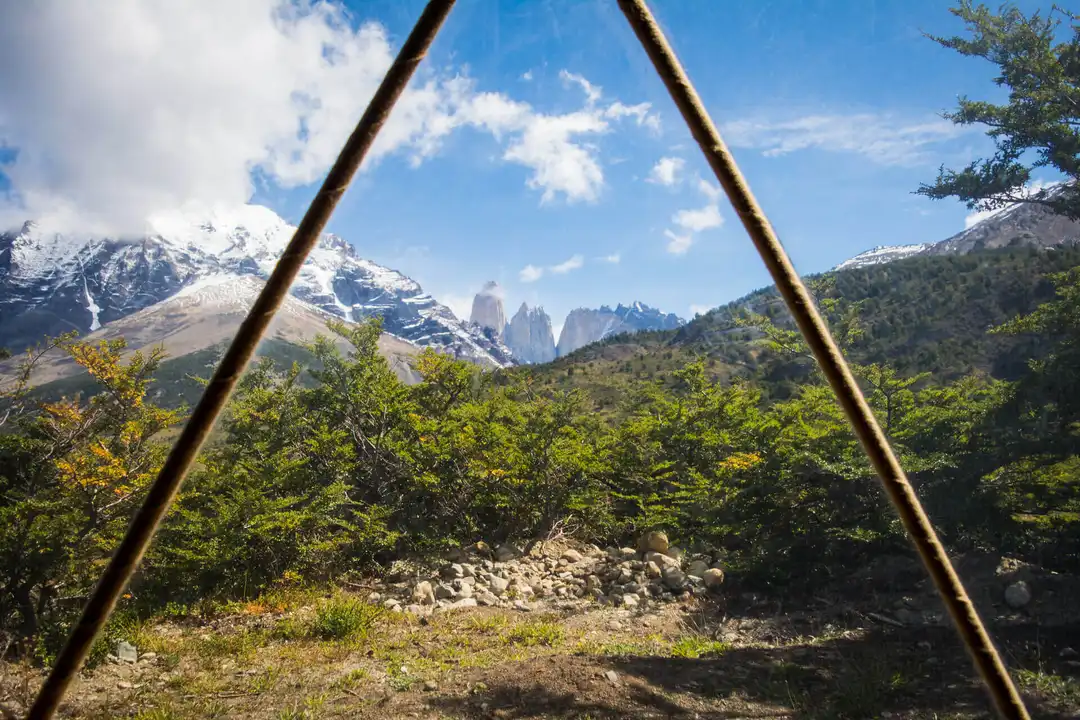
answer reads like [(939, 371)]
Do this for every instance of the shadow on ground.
[(892, 672)]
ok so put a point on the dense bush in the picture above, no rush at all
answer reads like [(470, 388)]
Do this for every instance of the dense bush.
[(340, 467)]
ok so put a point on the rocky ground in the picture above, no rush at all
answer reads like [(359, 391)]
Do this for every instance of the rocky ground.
[(575, 631)]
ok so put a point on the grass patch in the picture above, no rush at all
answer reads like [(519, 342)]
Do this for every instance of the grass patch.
[(695, 646), (344, 618), (531, 634), (1053, 687)]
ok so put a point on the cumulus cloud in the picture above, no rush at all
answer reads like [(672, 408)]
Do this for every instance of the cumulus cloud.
[(572, 263), (678, 244), (459, 304), (666, 171), (530, 273), (121, 110), (692, 221), (882, 138), (1033, 188), (699, 219)]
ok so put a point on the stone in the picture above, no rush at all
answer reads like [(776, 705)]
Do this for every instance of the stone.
[(482, 549), (612, 677), (572, 556), (674, 578), (675, 553), (698, 568), (147, 657), (462, 603), (627, 553), (506, 553), (468, 570), (453, 571), (1018, 594), (391, 603), (431, 685), (124, 685), (630, 601), (444, 592), (661, 560), (483, 597), (498, 585), (465, 591), (592, 583), (652, 570), (374, 597), (126, 652), (654, 541), (713, 577), (423, 593), (522, 606)]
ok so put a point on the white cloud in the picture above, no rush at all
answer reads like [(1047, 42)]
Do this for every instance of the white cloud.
[(884, 139), (693, 221), (126, 109), (592, 92), (666, 171), (700, 219), (527, 76), (460, 305), (707, 189), (572, 263), (530, 273), (614, 258), (1028, 190), (678, 244), (700, 309)]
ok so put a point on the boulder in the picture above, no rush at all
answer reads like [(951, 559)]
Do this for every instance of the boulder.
[(713, 577), (661, 560), (453, 571), (497, 584), (652, 570), (506, 553), (654, 541), (444, 592), (1018, 594), (698, 568), (674, 578), (423, 593), (572, 556)]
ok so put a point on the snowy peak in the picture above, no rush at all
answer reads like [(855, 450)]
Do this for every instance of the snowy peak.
[(52, 282), (882, 254)]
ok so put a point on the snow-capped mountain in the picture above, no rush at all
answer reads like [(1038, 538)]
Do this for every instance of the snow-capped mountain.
[(52, 283), (1023, 224), (584, 325), (882, 254)]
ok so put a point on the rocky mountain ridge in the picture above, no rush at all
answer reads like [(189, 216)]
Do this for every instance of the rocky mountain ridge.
[(584, 326), (1021, 225), (52, 282)]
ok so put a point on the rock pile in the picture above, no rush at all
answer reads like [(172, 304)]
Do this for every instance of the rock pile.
[(567, 578)]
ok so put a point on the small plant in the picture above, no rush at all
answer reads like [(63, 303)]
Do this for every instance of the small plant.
[(695, 646), (265, 681), (531, 634), (343, 618)]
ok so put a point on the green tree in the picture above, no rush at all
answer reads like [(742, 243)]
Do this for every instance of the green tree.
[(1039, 126)]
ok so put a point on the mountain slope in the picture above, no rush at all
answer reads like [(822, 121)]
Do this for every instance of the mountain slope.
[(206, 315), (52, 283), (921, 313)]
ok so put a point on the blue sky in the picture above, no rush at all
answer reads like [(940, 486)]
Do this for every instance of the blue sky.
[(831, 108), (464, 216)]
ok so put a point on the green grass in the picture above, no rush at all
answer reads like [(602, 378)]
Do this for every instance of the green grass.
[(531, 634), (344, 618)]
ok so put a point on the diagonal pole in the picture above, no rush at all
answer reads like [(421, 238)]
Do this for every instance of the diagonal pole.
[(165, 487), (987, 660)]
